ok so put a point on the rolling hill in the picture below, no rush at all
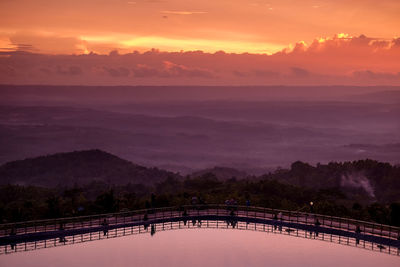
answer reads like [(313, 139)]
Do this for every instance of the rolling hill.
[(78, 167)]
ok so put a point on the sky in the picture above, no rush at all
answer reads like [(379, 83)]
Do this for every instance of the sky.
[(202, 42)]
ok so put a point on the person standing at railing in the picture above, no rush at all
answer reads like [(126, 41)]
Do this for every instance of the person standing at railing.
[(105, 226), (317, 224), (358, 231)]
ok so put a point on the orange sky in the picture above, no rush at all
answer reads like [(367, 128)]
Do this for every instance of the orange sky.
[(255, 26), (302, 42)]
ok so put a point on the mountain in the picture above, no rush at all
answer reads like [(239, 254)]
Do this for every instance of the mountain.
[(78, 167), (387, 96), (222, 173)]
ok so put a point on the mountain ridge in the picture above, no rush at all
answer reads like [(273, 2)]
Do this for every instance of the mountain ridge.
[(78, 167)]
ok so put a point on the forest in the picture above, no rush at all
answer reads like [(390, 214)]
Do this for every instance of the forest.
[(365, 189)]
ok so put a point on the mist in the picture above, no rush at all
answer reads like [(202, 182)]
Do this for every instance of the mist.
[(184, 129), (357, 180)]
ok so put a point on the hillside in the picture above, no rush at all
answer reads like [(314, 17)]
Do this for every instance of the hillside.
[(79, 167), (360, 180), (222, 173)]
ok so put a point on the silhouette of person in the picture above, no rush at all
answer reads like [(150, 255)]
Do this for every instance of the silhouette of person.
[(105, 226)]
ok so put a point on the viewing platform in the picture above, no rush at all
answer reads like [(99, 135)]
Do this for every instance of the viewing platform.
[(30, 235)]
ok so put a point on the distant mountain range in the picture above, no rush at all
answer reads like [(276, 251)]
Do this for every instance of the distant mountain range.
[(221, 173), (79, 167), (358, 179), (184, 137)]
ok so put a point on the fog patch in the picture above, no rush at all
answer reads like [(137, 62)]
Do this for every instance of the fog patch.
[(357, 180)]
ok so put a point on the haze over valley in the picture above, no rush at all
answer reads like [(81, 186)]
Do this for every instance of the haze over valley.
[(184, 129)]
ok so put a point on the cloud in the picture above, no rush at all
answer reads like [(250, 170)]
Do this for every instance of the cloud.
[(117, 72), (344, 43), (256, 73), (367, 74), (8, 71), (170, 70), (183, 12), (71, 70), (176, 70), (144, 71), (299, 72), (51, 43), (341, 59)]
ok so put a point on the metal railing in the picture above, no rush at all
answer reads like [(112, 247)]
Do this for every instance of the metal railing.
[(121, 218), (208, 224)]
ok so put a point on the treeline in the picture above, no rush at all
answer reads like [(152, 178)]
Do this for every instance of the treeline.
[(365, 180), (20, 203)]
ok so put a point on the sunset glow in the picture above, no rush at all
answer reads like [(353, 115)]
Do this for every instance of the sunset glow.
[(238, 26), (328, 41)]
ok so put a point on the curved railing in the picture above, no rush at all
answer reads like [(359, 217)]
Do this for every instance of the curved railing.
[(32, 231)]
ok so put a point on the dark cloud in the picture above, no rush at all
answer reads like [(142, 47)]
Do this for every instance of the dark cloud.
[(169, 70), (117, 72), (7, 70), (256, 73), (71, 70), (176, 70), (143, 71), (265, 73), (299, 72), (368, 74), (396, 43)]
